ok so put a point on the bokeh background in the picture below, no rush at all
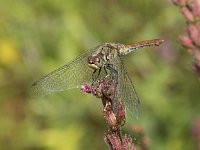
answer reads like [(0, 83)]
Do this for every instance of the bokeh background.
[(39, 36)]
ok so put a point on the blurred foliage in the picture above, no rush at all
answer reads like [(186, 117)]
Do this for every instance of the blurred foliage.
[(38, 36)]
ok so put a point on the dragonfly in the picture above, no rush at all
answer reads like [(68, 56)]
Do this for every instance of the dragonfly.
[(98, 62)]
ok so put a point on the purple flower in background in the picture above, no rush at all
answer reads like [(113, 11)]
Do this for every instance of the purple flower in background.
[(196, 131), (191, 40)]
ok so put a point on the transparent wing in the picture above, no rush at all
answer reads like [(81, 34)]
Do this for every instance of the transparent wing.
[(71, 75), (126, 89)]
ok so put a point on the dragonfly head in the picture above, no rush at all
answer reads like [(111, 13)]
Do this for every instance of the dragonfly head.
[(94, 62)]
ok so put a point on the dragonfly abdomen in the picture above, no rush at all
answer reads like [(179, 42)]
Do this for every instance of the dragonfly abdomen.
[(134, 46)]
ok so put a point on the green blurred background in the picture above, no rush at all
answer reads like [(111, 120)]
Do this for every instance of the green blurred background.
[(39, 36)]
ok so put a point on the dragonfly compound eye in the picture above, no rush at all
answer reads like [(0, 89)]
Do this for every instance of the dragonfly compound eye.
[(93, 62)]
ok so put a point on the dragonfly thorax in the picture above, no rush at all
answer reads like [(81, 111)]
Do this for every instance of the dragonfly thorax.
[(103, 56)]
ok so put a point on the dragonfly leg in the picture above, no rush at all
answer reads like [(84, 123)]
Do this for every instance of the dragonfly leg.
[(113, 72), (93, 76), (115, 94), (99, 72), (105, 72)]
